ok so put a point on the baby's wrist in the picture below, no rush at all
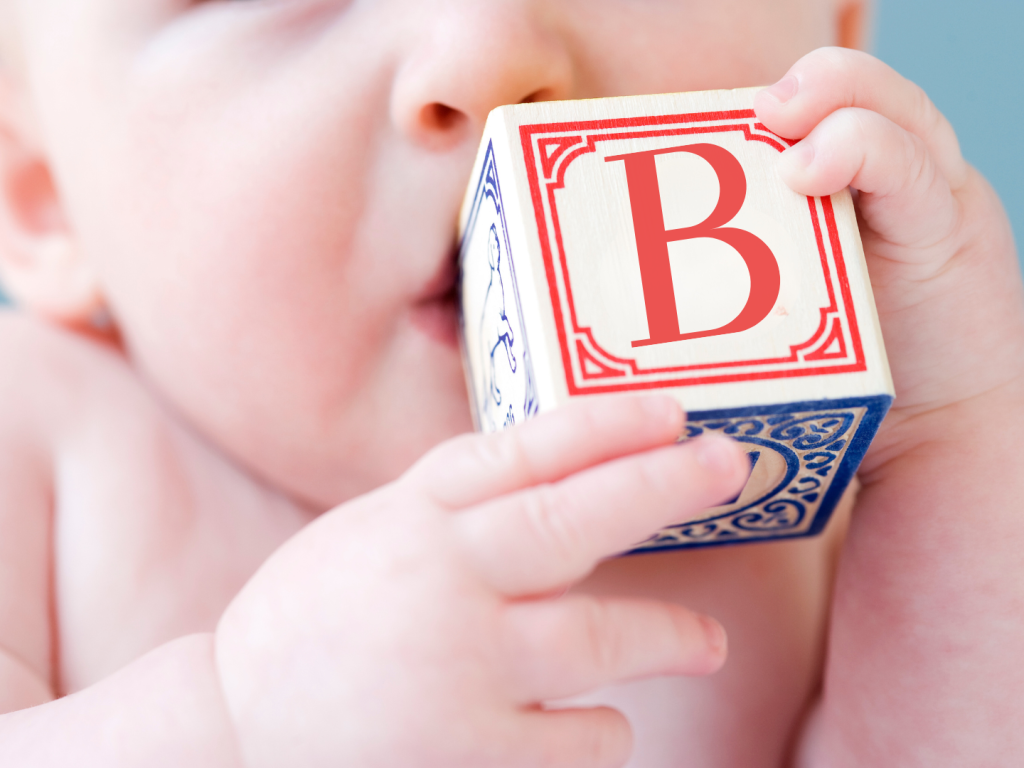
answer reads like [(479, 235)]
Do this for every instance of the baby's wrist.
[(165, 708), (980, 426)]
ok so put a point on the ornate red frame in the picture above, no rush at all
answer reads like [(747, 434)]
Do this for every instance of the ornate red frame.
[(559, 151)]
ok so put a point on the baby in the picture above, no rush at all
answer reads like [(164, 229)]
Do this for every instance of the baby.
[(229, 227)]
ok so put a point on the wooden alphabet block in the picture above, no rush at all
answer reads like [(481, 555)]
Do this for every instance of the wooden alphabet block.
[(647, 243)]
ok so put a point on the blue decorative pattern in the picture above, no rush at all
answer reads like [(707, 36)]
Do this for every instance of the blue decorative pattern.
[(495, 348), (803, 456)]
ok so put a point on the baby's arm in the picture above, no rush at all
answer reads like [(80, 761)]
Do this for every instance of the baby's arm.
[(928, 620), (164, 709), (416, 625), (26, 498)]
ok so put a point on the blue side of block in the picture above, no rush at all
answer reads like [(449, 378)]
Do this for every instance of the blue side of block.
[(821, 457)]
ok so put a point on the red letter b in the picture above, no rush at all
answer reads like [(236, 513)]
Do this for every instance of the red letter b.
[(652, 241)]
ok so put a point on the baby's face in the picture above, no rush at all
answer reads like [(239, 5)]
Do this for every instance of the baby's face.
[(268, 189)]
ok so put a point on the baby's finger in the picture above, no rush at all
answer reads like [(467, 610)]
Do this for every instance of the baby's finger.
[(575, 738), (549, 536), (584, 432), (863, 149), (575, 644), (829, 79)]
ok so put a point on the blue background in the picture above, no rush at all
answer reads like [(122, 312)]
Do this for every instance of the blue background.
[(969, 56)]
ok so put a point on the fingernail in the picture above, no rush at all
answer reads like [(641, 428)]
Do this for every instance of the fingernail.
[(799, 156), (716, 636), (716, 454), (784, 90)]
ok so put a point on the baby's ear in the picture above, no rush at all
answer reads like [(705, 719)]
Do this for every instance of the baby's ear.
[(41, 265), (853, 23)]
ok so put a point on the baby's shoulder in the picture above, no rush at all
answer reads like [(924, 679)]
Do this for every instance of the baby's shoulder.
[(50, 382), (76, 414), (54, 377), (101, 481), (63, 400)]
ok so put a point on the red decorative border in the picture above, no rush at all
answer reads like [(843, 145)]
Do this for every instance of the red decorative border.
[(829, 326)]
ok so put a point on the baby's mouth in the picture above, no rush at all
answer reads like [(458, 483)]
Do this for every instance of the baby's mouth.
[(436, 314)]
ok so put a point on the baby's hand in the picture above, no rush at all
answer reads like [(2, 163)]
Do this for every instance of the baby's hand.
[(421, 625), (923, 647), (938, 243)]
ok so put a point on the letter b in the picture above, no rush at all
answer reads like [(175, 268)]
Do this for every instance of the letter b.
[(652, 241)]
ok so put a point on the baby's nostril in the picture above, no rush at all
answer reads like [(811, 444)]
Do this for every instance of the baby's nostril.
[(544, 94), (441, 117)]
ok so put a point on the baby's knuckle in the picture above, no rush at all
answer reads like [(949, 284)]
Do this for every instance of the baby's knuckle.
[(835, 62), (602, 646), (856, 129), (925, 114), (495, 451), (504, 452), (512, 454), (820, 57), (581, 420), (920, 170), (442, 454), (547, 515), (654, 477)]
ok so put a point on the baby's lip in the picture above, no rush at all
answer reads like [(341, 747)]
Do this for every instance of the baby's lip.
[(441, 286), (436, 312)]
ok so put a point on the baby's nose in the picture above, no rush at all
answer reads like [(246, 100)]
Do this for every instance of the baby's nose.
[(471, 57)]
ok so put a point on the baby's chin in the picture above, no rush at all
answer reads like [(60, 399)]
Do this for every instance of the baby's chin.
[(435, 313), (325, 439)]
